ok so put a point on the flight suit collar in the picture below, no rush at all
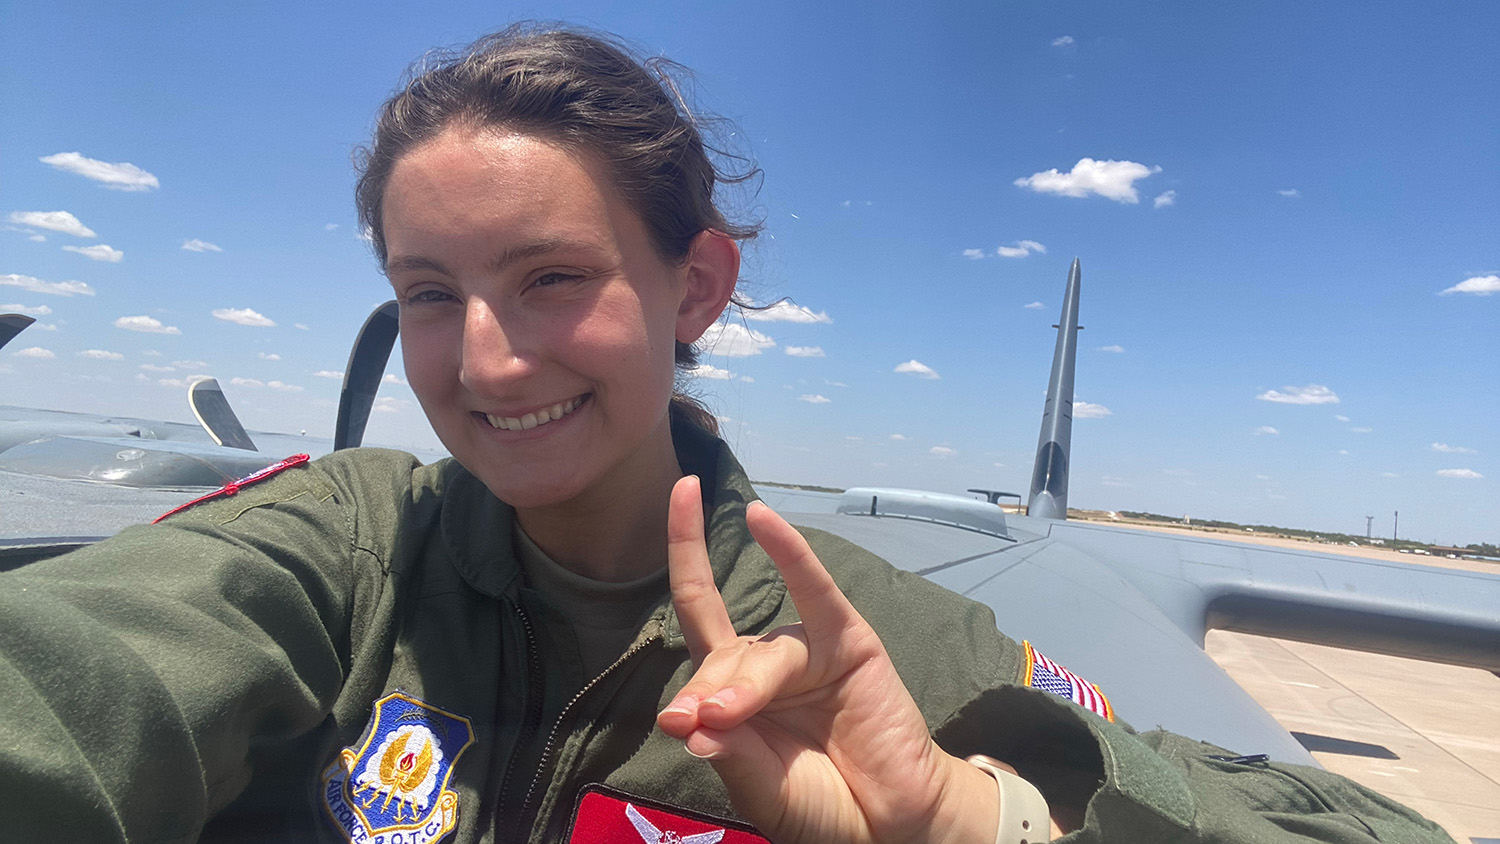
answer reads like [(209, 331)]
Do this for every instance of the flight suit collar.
[(476, 529)]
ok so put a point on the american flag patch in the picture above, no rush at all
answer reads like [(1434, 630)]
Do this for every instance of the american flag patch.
[(1042, 673)]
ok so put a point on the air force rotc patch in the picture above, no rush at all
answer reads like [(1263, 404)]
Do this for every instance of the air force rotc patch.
[(393, 790), (1042, 673)]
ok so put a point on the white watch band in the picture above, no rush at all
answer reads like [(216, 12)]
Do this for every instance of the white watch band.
[(1024, 818)]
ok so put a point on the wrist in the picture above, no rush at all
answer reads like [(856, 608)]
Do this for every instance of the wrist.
[(968, 812), (1023, 816)]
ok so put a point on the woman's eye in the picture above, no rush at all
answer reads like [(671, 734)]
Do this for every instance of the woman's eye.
[(427, 297), (553, 279)]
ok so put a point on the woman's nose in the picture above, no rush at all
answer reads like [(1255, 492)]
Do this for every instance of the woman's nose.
[(495, 353)]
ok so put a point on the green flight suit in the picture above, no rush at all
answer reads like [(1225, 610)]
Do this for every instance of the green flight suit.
[(198, 679)]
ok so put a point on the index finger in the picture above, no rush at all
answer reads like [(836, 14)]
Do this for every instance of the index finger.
[(700, 608), (825, 611)]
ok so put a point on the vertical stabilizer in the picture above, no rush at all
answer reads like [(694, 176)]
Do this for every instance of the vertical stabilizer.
[(1049, 476)]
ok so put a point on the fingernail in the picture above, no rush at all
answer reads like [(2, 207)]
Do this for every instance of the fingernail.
[(682, 704), (713, 755), (722, 698)]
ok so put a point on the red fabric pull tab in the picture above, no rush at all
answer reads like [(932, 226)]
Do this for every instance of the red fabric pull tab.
[(233, 487)]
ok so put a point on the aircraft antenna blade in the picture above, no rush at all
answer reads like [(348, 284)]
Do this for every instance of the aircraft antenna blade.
[(207, 400), (11, 325), (372, 349), (1049, 475)]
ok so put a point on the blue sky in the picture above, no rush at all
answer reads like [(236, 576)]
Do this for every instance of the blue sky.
[(1286, 213)]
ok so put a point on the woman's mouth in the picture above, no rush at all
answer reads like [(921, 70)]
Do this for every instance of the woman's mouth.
[(537, 418)]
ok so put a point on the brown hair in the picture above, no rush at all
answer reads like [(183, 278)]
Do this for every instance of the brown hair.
[(585, 92)]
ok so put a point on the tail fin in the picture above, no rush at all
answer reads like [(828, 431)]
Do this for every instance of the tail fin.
[(207, 400), (11, 325), (1049, 476), (372, 349)]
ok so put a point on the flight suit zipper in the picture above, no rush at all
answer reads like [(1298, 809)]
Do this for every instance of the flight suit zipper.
[(533, 719), (551, 747)]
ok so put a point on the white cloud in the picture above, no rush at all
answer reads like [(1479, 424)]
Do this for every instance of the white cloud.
[(393, 378), (329, 373), (1479, 285), (246, 382), (146, 325), (1162, 200), (243, 316), (181, 383), (805, 351), (1062, 41), (268, 356), (1361, 430), (1447, 473), (196, 245), (300, 326), (712, 373), (387, 404), (747, 379), (1110, 480), (190, 364), (1266, 429), (98, 252), (151, 367), (1341, 417), (120, 176), (39, 310), (1344, 451), (1118, 350), (328, 227), (812, 398), (1451, 449), (1290, 193), (285, 388), (942, 451), (1109, 179), (100, 354), (57, 221), (784, 311), (974, 254), (44, 326), (37, 238), (732, 340), (1311, 394), (900, 437), (917, 368), (1021, 249), (34, 352), (1034, 306), (1088, 410), (1389, 475)]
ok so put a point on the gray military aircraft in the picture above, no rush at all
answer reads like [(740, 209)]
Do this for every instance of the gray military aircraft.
[(1129, 610)]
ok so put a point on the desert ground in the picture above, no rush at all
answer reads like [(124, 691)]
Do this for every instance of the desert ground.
[(1423, 734)]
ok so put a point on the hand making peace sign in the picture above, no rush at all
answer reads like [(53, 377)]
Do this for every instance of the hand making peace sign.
[(809, 726)]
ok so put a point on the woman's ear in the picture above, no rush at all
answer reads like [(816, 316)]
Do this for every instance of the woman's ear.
[(713, 267)]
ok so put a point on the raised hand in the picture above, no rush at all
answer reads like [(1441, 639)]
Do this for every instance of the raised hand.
[(809, 726)]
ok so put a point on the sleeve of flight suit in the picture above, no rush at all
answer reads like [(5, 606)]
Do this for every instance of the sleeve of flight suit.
[(1161, 787), (140, 675)]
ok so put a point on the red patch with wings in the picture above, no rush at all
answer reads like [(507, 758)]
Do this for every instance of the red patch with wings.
[(608, 817)]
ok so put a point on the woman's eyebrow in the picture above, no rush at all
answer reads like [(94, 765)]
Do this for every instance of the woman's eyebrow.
[(543, 246), (415, 263)]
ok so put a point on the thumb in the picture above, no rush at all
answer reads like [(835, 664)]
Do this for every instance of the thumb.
[(753, 774)]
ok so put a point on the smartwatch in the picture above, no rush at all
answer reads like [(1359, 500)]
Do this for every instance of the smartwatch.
[(1024, 818)]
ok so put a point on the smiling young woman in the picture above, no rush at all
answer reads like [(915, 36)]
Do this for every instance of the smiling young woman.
[(488, 649)]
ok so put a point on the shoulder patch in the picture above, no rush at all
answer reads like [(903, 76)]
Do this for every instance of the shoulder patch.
[(607, 816), (233, 487), (1042, 673), (396, 783)]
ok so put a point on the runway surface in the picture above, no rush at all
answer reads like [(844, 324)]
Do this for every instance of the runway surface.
[(1423, 734)]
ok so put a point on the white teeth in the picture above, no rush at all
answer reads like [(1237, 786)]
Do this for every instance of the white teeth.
[(533, 419)]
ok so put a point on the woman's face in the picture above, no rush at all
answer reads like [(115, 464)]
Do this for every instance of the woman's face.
[(537, 321)]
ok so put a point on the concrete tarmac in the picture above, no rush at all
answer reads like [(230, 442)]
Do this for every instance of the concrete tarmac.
[(1423, 734)]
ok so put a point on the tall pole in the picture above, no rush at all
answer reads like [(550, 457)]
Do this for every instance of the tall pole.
[(1396, 530), (1369, 520), (1049, 473)]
